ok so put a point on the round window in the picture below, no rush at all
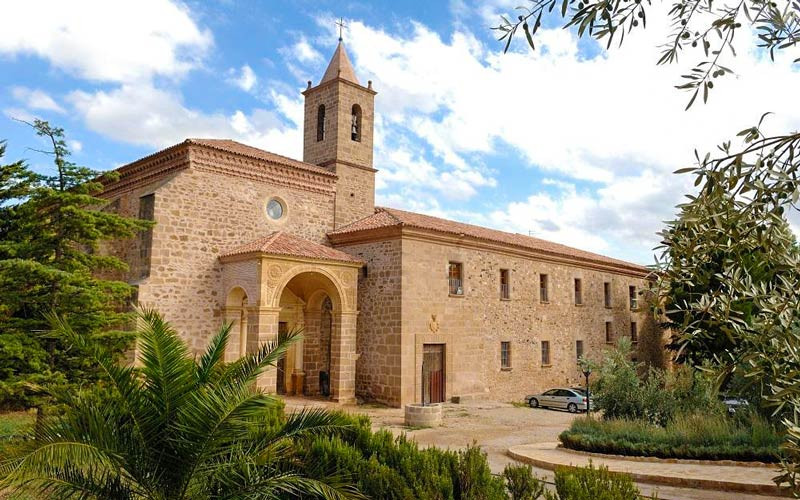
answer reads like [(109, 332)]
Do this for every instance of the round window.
[(274, 209)]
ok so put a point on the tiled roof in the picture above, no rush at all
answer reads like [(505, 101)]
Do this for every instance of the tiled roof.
[(230, 146), (391, 217), (280, 243), (340, 66)]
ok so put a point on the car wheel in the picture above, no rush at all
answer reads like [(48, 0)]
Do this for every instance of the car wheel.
[(534, 403), (572, 407)]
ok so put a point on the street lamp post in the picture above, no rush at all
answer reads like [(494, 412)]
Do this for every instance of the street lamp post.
[(586, 373)]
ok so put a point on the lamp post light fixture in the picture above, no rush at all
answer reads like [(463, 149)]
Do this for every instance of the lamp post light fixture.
[(586, 372)]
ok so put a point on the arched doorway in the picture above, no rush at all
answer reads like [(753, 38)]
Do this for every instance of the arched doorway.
[(311, 301)]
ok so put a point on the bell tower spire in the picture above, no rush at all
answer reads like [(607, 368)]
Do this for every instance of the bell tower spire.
[(338, 128)]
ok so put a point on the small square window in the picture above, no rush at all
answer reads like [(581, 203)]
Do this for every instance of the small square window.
[(545, 352), (609, 333), (543, 288), (607, 294), (505, 355), (455, 278), (578, 292)]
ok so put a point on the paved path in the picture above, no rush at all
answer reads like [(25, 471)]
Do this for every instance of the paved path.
[(731, 478)]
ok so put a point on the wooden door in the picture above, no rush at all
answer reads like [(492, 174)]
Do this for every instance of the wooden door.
[(433, 373), (280, 384)]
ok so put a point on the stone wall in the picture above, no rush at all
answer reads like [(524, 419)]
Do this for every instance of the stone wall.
[(473, 325), (378, 339), (199, 215)]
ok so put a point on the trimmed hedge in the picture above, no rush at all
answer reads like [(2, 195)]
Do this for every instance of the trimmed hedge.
[(697, 436)]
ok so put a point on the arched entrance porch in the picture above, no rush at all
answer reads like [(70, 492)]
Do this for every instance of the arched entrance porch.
[(313, 290)]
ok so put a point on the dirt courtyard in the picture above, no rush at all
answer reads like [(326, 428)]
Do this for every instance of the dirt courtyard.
[(495, 427)]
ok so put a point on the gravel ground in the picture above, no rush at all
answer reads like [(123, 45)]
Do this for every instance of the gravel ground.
[(497, 426)]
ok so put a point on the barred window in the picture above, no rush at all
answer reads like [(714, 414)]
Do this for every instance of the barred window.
[(634, 332), (609, 332), (633, 297), (543, 288), (578, 350), (545, 352), (505, 354), (607, 294), (455, 278), (578, 292)]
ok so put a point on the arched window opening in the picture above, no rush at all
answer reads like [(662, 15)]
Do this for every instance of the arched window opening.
[(320, 122), (355, 130)]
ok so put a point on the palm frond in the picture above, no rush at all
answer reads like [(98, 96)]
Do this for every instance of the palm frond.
[(215, 352), (248, 367)]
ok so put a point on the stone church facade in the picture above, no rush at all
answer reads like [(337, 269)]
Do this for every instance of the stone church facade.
[(395, 307)]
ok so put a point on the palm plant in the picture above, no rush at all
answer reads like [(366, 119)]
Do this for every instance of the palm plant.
[(174, 427)]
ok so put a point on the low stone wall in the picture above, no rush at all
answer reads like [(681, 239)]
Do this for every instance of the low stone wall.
[(423, 416)]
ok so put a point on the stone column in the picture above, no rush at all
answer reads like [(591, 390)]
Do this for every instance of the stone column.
[(343, 357), (233, 316), (263, 327), (298, 376), (311, 352)]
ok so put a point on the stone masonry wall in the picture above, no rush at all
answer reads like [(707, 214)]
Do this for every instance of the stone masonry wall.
[(473, 325), (200, 215), (378, 330)]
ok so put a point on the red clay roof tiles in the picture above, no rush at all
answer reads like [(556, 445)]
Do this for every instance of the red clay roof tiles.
[(391, 217), (280, 243)]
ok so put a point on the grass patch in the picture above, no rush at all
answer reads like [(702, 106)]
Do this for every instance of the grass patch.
[(14, 425), (696, 436)]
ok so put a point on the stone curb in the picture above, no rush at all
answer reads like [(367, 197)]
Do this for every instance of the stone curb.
[(688, 461), (686, 482)]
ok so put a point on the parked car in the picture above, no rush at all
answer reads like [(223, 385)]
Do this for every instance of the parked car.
[(733, 403), (572, 399)]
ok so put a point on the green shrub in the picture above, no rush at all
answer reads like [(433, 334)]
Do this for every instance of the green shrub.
[(588, 483), (521, 484), (385, 466), (625, 389), (695, 436)]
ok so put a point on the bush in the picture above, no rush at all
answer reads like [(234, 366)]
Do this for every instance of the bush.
[(521, 484), (384, 466), (588, 483), (656, 396), (696, 436)]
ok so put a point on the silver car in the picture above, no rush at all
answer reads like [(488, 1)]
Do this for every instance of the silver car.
[(570, 399)]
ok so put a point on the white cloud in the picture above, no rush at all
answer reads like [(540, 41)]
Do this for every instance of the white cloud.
[(614, 120), (106, 41), (36, 99), (75, 146), (162, 119), (304, 52), (245, 78)]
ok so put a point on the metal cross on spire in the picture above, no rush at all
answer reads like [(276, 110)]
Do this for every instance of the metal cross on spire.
[(340, 23)]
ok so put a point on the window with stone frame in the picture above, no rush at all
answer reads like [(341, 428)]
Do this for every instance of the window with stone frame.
[(578, 350), (146, 212), (578, 291), (609, 332), (545, 353), (505, 284), (607, 294), (321, 123), (634, 301), (544, 289), (455, 278), (634, 332), (505, 355)]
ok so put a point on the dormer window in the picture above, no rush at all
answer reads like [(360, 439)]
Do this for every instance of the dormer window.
[(355, 127), (321, 122)]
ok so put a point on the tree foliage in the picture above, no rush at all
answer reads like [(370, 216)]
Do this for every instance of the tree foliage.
[(174, 427), (51, 229)]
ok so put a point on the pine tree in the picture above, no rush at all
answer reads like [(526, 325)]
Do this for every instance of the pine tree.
[(50, 261)]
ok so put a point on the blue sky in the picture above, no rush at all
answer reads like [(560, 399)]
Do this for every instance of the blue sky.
[(569, 143)]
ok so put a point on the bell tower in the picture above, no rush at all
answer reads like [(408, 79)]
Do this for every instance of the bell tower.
[(338, 126)]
